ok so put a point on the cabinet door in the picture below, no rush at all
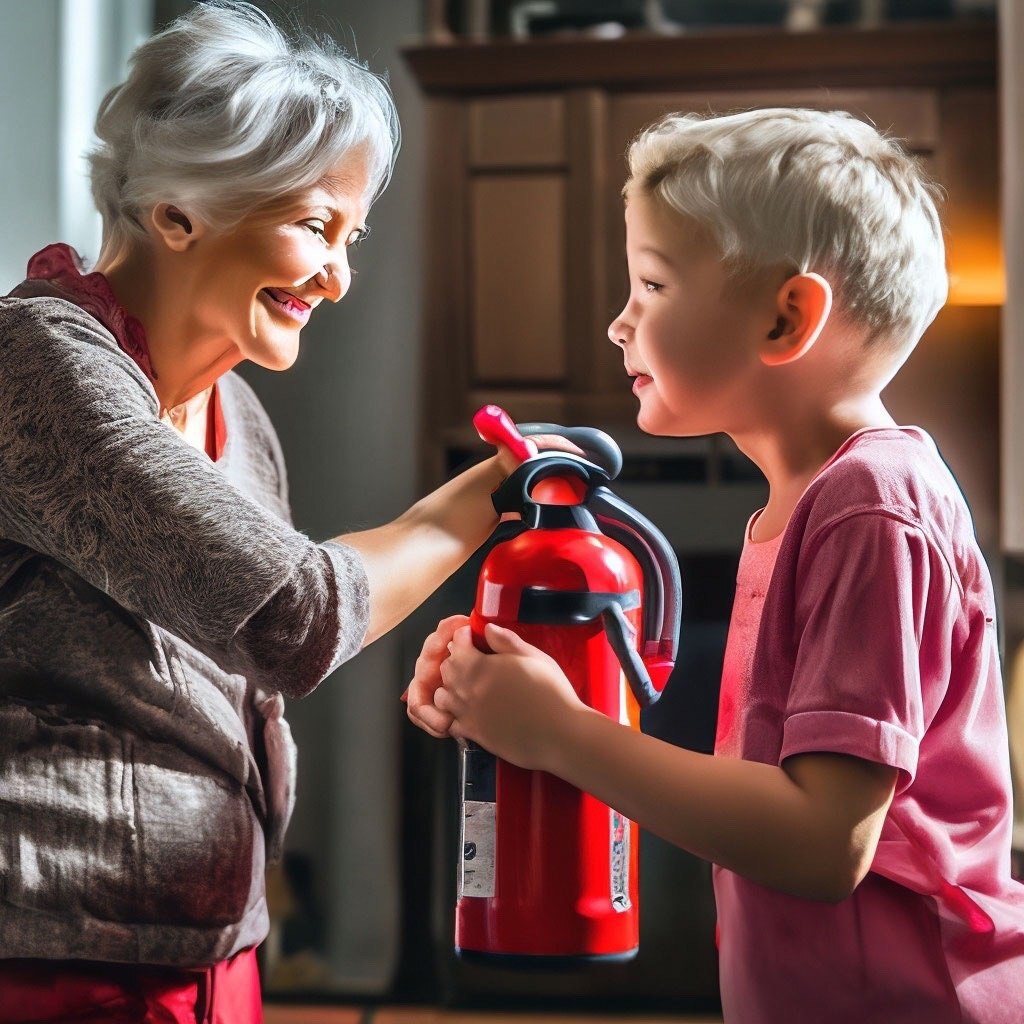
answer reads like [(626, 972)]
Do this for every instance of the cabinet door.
[(518, 279), (517, 131)]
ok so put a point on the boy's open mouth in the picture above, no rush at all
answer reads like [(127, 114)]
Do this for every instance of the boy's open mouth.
[(640, 379)]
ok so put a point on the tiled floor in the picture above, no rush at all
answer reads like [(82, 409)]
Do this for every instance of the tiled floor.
[(425, 1015)]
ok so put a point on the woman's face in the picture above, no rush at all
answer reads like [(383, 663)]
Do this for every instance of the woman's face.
[(257, 284)]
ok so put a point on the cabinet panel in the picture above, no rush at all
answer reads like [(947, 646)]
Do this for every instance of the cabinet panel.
[(520, 131), (518, 278)]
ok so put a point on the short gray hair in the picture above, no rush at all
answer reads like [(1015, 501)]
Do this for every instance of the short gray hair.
[(223, 112), (820, 191)]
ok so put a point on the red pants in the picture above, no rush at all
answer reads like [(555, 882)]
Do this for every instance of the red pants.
[(81, 992)]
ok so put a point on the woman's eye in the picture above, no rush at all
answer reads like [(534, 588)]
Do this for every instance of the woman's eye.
[(356, 236), (318, 227)]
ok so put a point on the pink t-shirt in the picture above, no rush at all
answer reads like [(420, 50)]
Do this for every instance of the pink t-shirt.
[(868, 629)]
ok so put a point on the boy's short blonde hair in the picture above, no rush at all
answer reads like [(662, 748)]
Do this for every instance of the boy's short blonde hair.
[(820, 191)]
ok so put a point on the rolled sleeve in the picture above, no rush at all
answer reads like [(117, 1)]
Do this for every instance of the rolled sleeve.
[(862, 683), (353, 588), (856, 735)]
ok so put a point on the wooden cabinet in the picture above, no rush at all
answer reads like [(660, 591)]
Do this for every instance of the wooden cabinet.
[(526, 264)]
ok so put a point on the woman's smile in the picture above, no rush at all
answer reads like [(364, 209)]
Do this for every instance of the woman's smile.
[(286, 304)]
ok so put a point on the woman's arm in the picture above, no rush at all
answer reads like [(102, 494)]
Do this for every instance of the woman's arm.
[(809, 827), (90, 477), (406, 560)]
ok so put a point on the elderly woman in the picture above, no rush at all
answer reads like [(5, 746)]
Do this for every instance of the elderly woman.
[(155, 602)]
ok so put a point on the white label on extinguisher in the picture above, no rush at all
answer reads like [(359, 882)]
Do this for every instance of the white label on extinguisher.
[(619, 860), (478, 830)]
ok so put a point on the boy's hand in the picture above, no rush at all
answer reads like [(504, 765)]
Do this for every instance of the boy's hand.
[(514, 702), (419, 695)]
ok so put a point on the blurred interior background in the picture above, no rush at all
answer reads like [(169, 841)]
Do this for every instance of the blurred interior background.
[(493, 269)]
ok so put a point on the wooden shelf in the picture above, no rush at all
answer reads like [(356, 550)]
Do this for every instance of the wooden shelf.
[(900, 54)]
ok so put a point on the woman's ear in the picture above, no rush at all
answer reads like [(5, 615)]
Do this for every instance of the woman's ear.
[(802, 305), (174, 227)]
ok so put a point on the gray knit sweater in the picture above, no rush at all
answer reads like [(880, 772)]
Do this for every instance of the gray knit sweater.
[(154, 606)]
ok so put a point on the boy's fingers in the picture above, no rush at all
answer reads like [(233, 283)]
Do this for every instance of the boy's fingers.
[(463, 638), (437, 642), (435, 646), (505, 641), (431, 719), (446, 627), (435, 733)]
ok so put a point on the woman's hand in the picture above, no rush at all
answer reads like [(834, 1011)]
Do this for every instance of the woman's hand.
[(506, 463), (412, 556), (515, 702)]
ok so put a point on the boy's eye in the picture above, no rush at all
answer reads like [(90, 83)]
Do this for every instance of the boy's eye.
[(650, 286)]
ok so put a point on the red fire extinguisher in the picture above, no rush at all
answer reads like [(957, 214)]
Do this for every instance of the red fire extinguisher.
[(548, 871)]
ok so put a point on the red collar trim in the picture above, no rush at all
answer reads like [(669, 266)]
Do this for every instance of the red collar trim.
[(62, 266)]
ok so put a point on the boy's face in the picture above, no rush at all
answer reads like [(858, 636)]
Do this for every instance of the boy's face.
[(688, 337)]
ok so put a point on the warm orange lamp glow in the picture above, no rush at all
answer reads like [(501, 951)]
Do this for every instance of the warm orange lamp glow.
[(977, 273)]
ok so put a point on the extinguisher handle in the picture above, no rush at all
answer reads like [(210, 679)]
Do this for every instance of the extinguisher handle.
[(599, 447), (663, 592)]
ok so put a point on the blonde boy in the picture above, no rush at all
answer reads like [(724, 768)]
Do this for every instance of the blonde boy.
[(783, 264)]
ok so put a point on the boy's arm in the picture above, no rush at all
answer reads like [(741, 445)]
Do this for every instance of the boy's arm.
[(808, 828)]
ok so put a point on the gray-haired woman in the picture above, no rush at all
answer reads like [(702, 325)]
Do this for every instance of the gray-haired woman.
[(155, 602)]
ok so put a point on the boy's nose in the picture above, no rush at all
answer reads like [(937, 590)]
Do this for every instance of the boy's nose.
[(619, 331)]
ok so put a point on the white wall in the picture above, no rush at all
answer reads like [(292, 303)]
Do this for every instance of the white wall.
[(1011, 32), (29, 93), (57, 59), (1011, 43)]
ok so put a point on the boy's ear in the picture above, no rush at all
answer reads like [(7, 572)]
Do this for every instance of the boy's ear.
[(175, 228), (802, 305)]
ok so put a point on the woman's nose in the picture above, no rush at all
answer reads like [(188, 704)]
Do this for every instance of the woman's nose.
[(335, 277)]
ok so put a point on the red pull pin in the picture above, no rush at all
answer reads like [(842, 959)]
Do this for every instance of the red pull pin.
[(495, 426)]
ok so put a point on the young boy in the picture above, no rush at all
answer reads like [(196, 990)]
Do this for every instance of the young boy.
[(783, 264)]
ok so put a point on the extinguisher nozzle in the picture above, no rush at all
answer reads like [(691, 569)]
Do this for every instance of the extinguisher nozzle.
[(659, 670)]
